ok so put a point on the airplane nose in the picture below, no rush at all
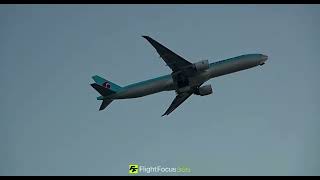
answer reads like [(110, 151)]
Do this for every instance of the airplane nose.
[(264, 57), (263, 60)]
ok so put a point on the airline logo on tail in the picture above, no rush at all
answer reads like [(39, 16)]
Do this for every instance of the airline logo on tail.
[(106, 85)]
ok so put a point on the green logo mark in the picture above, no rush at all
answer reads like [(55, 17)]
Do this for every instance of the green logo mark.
[(133, 168)]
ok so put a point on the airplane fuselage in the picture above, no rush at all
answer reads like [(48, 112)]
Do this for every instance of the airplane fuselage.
[(166, 82)]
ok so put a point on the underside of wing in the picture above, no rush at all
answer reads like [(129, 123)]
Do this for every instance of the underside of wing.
[(178, 100), (174, 61)]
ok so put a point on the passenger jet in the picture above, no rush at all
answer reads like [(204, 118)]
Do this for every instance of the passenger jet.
[(186, 78)]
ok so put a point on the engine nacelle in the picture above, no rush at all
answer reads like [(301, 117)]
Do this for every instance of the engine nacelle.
[(201, 65), (204, 90)]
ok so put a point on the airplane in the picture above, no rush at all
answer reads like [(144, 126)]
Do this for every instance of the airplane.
[(186, 78)]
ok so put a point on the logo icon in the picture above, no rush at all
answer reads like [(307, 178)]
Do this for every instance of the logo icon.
[(106, 85), (133, 168)]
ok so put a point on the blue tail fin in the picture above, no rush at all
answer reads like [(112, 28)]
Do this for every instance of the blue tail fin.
[(108, 86), (104, 88)]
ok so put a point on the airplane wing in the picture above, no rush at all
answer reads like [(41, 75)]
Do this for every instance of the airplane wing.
[(174, 61), (179, 99)]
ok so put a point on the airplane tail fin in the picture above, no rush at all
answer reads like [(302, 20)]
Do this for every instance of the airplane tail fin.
[(104, 88), (105, 83), (103, 91)]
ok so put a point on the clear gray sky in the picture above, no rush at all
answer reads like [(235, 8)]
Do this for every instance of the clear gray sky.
[(262, 121)]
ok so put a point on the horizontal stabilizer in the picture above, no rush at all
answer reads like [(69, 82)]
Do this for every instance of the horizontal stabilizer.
[(102, 90), (105, 103)]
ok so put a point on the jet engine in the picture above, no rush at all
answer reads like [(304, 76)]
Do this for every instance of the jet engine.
[(204, 90), (201, 65)]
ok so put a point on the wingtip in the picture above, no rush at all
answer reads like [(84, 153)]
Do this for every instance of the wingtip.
[(165, 114)]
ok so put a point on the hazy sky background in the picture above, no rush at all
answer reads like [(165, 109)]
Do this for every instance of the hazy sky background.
[(262, 121)]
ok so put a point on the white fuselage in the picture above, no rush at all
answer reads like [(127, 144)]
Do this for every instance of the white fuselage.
[(166, 83)]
